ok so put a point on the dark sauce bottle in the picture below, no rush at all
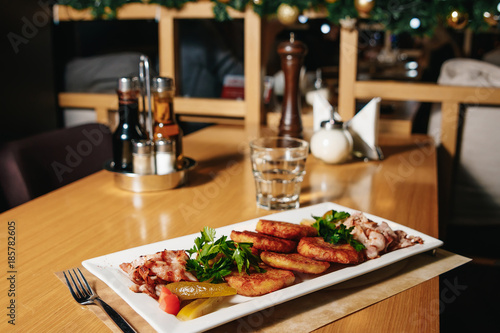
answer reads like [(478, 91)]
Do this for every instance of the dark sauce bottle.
[(129, 128)]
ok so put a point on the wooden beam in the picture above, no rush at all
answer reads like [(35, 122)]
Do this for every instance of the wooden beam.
[(166, 43), (253, 69), (186, 106), (426, 92), (210, 107), (200, 10), (144, 11), (88, 100), (348, 63), (100, 103), (450, 124), (132, 11)]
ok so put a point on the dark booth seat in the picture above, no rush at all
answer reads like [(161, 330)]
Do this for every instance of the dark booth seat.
[(36, 165)]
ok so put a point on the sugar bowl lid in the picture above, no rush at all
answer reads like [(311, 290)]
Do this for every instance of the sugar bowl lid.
[(331, 124)]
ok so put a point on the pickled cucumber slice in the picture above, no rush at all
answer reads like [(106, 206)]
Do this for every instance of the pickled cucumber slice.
[(198, 308), (191, 290)]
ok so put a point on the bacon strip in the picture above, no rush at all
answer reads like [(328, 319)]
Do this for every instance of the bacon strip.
[(150, 270)]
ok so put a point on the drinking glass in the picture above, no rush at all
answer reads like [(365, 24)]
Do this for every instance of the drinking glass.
[(278, 165)]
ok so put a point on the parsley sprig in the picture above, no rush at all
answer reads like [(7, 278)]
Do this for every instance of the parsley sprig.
[(331, 228), (211, 259)]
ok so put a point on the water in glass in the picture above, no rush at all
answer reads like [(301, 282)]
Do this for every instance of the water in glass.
[(278, 176)]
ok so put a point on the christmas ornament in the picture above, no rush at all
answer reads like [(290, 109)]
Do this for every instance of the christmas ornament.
[(364, 7), (258, 2), (223, 1), (491, 19), (287, 14), (457, 19), (331, 1)]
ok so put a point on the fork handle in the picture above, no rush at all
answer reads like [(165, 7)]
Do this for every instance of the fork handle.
[(119, 320)]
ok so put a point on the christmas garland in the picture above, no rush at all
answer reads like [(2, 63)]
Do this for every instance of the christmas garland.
[(412, 16)]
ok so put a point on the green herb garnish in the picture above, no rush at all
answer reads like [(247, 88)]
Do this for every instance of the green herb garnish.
[(212, 259), (331, 228)]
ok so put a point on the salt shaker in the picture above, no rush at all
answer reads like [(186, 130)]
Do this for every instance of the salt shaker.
[(332, 143), (165, 156), (143, 161)]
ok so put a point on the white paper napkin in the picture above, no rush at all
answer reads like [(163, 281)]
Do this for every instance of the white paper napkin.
[(364, 131)]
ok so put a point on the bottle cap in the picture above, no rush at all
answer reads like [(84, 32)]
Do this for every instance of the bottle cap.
[(161, 83), (164, 146), (141, 147), (128, 84)]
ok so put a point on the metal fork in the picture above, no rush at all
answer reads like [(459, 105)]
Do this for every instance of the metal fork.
[(83, 294)]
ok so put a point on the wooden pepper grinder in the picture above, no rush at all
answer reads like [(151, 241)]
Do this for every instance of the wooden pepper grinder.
[(292, 55)]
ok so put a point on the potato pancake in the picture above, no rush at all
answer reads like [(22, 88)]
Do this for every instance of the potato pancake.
[(257, 284), (285, 229), (264, 242), (317, 248), (294, 262)]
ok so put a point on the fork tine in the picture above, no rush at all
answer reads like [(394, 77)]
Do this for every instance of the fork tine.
[(78, 291), (69, 285), (89, 290), (85, 295), (75, 286), (82, 289)]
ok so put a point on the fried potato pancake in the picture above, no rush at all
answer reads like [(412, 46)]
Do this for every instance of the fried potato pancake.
[(257, 284), (294, 262), (285, 229), (264, 242), (317, 248)]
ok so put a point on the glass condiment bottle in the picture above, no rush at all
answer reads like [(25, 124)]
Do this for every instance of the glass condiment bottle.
[(165, 124), (165, 156), (128, 127), (143, 157), (332, 143)]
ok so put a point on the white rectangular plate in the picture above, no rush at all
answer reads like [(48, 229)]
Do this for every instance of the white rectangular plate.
[(107, 269)]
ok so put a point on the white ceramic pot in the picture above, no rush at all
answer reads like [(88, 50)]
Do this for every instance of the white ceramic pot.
[(332, 143)]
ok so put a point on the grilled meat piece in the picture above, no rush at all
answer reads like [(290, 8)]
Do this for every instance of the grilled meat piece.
[(264, 242), (285, 229), (316, 248), (294, 262), (257, 284)]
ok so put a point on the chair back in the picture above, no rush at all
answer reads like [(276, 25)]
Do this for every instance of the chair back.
[(36, 165)]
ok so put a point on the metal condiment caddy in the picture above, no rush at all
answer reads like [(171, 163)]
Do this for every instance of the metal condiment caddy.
[(154, 163)]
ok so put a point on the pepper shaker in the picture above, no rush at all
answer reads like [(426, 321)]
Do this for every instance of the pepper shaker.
[(292, 55)]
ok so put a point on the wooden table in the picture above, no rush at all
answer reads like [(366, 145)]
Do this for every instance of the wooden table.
[(92, 217)]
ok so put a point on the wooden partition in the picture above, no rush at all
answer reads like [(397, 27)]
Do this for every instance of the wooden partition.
[(450, 98), (214, 110)]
